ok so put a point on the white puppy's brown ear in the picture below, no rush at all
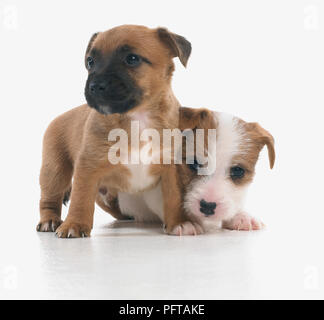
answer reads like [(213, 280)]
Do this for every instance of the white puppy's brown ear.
[(191, 118), (179, 46), (263, 137)]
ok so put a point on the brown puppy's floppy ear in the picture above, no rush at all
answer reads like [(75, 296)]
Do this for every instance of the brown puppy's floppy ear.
[(179, 46), (92, 39), (263, 137)]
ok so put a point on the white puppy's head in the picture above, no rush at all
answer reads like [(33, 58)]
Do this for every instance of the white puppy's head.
[(220, 194)]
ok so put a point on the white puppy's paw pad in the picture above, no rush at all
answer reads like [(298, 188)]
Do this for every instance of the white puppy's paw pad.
[(187, 228), (244, 222)]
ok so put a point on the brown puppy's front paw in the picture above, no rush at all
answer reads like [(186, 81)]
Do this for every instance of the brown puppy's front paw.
[(73, 230), (49, 224), (186, 228)]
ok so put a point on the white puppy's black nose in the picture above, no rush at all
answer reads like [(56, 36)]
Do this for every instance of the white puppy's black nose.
[(207, 208)]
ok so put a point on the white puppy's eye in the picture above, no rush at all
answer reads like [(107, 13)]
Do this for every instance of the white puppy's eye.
[(237, 173), (195, 165)]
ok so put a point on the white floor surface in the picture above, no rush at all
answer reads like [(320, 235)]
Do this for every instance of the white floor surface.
[(125, 260)]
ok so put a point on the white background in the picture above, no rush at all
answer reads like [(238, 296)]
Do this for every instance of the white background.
[(260, 60)]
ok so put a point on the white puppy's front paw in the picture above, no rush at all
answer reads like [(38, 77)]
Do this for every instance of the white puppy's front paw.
[(242, 221), (187, 228)]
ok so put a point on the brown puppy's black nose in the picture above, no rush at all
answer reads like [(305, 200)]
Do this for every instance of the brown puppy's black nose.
[(97, 87), (207, 208)]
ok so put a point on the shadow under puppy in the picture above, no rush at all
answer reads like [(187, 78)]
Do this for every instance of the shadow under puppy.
[(129, 79), (215, 198)]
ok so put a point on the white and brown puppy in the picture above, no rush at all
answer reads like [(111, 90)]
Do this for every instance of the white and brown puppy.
[(218, 197)]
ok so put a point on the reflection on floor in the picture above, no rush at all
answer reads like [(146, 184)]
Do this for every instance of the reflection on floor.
[(127, 260)]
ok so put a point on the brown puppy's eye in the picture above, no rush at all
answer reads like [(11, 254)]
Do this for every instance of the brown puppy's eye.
[(90, 62), (237, 173), (133, 60)]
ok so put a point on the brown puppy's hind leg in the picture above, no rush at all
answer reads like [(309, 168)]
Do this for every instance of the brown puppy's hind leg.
[(54, 186), (55, 181), (113, 208)]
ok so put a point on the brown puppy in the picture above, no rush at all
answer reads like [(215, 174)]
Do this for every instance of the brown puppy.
[(130, 70)]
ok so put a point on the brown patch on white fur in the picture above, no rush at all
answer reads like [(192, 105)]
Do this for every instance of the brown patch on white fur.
[(254, 138), (261, 137)]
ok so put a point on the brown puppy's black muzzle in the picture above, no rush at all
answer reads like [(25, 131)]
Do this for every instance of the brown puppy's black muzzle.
[(207, 208), (109, 88), (111, 93), (95, 87)]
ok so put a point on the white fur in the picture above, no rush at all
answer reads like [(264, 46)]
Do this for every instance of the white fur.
[(154, 200), (144, 207), (141, 178)]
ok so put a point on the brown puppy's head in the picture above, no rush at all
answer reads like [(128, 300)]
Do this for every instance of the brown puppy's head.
[(130, 66), (232, 155)]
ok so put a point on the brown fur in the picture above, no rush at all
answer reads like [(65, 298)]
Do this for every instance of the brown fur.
[(75, 144)]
